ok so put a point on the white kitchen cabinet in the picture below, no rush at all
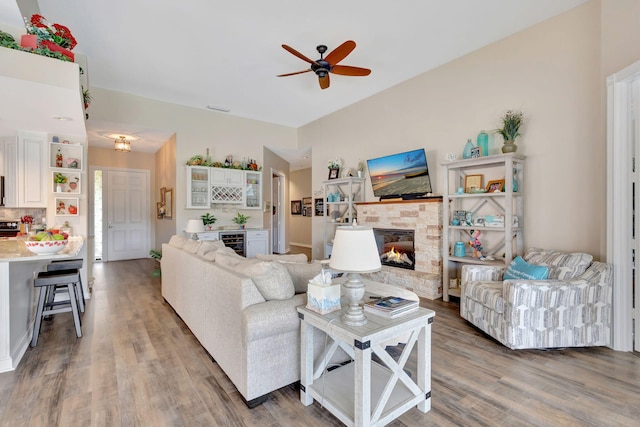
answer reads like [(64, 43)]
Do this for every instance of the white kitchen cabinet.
[(207, 235), (227, 185), (257, 242), (9, 170), (198, 187)]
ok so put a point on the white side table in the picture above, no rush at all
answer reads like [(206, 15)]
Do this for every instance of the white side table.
[(366, 393)]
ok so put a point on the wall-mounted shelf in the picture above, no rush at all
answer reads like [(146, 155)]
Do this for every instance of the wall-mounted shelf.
[(71, 155), (67, 206), (70, 186)]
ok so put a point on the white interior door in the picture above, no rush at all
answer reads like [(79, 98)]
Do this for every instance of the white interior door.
[(623, 196), (127, 214)]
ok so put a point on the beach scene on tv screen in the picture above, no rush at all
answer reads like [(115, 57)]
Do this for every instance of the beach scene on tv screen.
[(399, 174)]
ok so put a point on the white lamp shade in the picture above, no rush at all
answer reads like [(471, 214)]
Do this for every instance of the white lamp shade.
[(194, 226), (355, 250)]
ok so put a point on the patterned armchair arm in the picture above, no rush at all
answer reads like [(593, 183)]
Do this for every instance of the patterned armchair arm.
[(559, 313), (481, 273)]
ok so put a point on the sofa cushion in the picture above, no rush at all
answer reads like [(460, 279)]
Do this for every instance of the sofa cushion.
[(270, 277), (488, 294), (209, 246), (562, 265), (520, 269), (177, 241), (191, 246), (301, 273), (292, 258)]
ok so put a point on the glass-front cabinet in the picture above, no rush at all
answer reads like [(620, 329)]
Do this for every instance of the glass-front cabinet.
[(253, 190), (198, 187)]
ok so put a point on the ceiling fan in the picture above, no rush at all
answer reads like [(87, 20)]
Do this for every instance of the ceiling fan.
[(323, 66)]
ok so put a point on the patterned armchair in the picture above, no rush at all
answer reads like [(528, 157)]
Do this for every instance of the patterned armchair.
[(570, 309)]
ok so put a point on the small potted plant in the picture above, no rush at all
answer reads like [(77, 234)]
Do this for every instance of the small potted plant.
[(241, 220), (208, 220), (360, 169), (510, 130), (59, 179)]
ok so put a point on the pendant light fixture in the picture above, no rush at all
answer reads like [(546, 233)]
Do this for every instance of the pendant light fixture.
[(122, 144)]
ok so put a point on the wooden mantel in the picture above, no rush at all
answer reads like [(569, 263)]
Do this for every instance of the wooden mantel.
[(434, 199)]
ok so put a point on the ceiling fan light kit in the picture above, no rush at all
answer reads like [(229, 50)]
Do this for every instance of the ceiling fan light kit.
[(323, 66)]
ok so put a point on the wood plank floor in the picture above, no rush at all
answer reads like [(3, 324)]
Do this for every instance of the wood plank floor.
[(138, 365)]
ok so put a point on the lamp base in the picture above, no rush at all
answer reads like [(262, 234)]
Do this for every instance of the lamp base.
[(354, 291)]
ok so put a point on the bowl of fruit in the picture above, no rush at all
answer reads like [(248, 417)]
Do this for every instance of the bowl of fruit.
[(47, 243)]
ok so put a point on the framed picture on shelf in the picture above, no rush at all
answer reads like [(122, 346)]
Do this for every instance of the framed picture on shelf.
[(495, 186), (472, 183), (476, 152), (334, 173), (67, 207), (296, 207), (319, 207)]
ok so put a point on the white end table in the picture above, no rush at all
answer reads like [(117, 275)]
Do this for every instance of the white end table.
[(366, 393)]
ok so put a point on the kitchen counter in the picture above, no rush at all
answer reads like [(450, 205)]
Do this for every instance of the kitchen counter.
[(18, 296), (13, 249)]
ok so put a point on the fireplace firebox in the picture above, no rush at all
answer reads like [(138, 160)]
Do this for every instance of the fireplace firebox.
[(396, 247)]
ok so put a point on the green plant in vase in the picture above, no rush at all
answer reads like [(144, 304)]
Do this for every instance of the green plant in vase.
[(510, 130), (208, 220), (241, 219), (59, 180)]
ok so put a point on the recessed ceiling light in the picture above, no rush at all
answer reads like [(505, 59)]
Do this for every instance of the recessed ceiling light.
[(216, 108), (62, 118)]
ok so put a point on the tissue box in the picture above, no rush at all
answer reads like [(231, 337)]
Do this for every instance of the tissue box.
[(323, 298)]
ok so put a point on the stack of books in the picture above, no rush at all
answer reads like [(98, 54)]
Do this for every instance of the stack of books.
[(390, 307)]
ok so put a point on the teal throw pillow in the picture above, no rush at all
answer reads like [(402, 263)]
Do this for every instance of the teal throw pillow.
[(520, 269)]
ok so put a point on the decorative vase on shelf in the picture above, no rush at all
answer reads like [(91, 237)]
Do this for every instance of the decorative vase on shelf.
[(509, 146), (58, 188), (515, 180), (466, 153), (483, 143)]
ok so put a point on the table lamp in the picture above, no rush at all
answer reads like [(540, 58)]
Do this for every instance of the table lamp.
[(354, 252), (194, 226)]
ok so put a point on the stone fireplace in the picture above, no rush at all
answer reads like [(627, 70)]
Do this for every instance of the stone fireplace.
[(423, 218)]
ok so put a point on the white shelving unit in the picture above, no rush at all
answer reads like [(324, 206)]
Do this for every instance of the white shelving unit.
[(343, 211), (502, 242), (198, 187), (207, 185)]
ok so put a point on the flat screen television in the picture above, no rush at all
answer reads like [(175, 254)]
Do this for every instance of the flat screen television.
[(403, 175)]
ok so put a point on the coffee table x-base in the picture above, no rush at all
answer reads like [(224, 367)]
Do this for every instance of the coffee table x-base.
[(364, 392)]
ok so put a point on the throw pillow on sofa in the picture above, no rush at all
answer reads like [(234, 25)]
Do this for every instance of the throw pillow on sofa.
[(301, 273), (177, 241), (520, 269), (191, 246), (271, 279), (562, 265), (209, 246)]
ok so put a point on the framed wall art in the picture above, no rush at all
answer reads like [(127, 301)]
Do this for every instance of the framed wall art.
[(168, 203), (319, 207), (296, 207)]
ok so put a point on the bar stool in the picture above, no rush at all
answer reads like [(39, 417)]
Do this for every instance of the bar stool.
[(47, 281), (68, 264)]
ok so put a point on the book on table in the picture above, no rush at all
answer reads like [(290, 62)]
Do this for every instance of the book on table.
[(391, 306)]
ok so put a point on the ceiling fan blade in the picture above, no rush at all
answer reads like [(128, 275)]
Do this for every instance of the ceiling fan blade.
[(341, 52), (324, 81), (346, 70), (293, 74), (298, 54)]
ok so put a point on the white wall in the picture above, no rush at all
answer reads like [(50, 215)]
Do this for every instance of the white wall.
[(549, 71), (196, 130)]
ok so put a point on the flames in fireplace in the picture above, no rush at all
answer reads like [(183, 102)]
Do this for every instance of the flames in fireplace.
[(395, 257)]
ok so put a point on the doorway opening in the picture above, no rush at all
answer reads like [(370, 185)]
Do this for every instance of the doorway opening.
[(277, 213)]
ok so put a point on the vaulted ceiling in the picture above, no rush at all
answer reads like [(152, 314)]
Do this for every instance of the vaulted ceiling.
[(227, 54)]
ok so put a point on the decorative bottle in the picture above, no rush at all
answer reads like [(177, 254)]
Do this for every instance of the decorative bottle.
[(483, 143), (466, 154), (59, 159), (515, 180)]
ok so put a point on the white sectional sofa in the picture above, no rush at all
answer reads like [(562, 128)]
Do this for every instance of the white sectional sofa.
[(243, 311)]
